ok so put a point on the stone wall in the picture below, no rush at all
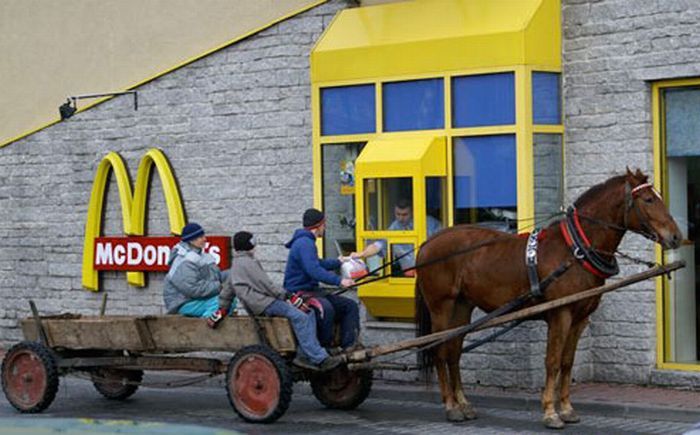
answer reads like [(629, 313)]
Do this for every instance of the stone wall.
[(612, 51), (236, 127)]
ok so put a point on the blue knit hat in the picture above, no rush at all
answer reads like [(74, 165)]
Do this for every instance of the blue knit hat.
[(191, 231)]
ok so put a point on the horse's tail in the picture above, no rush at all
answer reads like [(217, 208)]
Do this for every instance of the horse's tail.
[(423, 327)]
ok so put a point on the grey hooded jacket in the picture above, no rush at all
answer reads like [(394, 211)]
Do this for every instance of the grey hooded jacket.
[(192, 275), (250, 284)]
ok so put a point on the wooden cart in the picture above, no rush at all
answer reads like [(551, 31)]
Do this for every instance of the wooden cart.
[(114, 351)]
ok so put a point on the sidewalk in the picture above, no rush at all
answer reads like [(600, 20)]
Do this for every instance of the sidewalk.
[(599, 398)]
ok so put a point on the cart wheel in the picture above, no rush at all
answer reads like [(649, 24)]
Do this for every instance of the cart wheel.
[(116, 384), (29, 376), (341, 388), (259, 384)]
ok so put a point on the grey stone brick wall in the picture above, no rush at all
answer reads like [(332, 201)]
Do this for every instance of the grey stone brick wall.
[(236, 127), (612, 50)]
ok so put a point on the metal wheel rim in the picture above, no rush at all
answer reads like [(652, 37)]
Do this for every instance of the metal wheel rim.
[(256, 386), (25, 378)]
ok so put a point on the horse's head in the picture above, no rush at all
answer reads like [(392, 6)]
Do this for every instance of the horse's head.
[(646, 213)]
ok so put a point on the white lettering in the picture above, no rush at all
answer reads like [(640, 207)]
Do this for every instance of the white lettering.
[(149, 255), (135, 252), (163, 255), (119, 255), (215, 252), (104, 254)]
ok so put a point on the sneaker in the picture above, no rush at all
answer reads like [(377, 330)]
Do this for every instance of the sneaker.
[(330, 363)]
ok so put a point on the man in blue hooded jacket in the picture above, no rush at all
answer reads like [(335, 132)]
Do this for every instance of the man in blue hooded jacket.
[(305, 270)]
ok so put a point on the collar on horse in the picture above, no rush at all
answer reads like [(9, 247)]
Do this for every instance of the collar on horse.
[(581, 247)]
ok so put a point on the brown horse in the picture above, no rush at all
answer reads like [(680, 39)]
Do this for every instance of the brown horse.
[(453, 282)]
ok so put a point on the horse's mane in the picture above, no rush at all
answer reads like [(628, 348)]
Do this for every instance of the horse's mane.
[(595, 192)]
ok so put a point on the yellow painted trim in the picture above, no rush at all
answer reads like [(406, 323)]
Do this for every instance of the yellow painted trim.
[(663, 338), (133, 206), (524, 139), (680, 366), (548, 129), (178, 66)]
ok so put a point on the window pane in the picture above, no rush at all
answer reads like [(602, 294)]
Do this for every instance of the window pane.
[(487, 99), (347, 110), (549, 193), (435, 207), (546, 98), (403, 257), (485, 181), (682, 122), (339, 197), (388, 204), (413, 105)]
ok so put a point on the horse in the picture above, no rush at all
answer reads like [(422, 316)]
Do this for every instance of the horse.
[(455, 280)]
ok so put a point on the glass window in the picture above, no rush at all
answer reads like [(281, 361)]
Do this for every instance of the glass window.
[(485, 181), (403, 256), (339, 197), (486, 99), (348, 110), (682, 114), (388, 204), (549, 192), (413, 105), (375, 263), (436, 211), (546, 98)]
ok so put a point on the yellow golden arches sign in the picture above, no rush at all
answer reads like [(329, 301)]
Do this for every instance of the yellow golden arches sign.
[(133, 206)]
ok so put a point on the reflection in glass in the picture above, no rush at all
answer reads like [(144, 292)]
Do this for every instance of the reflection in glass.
[(485, 181), (549, 192), (339, 197), (436, 212)]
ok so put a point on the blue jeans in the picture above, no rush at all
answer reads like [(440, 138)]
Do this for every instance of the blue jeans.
[(202, 307), (304, 326), (348, 315)]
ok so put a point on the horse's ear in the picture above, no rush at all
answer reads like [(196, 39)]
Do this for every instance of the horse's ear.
[(640, 176), (629, 173)]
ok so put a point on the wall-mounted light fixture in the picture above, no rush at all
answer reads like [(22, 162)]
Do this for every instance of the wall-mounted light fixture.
[(69, 108)]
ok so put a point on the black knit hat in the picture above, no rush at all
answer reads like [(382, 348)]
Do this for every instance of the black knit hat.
[(313, 218), (243, 241), (191, 231)]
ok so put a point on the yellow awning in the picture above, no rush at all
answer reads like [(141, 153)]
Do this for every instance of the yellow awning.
[(427, 36), (421, 156)]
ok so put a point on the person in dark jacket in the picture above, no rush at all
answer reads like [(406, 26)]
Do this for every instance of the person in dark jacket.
[(194, 280), (254, 288), (305, 271)]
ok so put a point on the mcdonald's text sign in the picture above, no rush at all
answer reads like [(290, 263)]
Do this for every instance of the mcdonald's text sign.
[(150, 254)]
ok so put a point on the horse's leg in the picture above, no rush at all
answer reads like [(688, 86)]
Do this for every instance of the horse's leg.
[(462, 316), (559, 323), (566, 412), (440, 321)]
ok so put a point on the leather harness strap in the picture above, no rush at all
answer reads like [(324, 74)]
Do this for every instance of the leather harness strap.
[(531, 263), (581, 247)]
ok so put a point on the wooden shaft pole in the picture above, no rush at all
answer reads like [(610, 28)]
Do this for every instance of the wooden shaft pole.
[(364, 354)]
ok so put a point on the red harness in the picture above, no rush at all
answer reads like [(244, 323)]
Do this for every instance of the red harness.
[(568, 237)]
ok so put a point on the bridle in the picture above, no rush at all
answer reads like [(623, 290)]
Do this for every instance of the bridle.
[(631, 204)]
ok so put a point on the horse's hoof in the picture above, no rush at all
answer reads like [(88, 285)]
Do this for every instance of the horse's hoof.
[(468, 411), (553, 422), (455, 415), (569, 416)]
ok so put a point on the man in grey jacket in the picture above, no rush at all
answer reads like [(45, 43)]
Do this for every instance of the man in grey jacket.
[(249, 282), (194, 280)]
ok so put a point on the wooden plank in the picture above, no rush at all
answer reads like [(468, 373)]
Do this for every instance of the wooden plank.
[(162, 334)]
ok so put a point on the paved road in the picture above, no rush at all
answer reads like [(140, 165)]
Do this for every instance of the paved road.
[(380, 414)]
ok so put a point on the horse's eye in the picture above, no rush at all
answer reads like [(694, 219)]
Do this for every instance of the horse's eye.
[(649, 199)]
